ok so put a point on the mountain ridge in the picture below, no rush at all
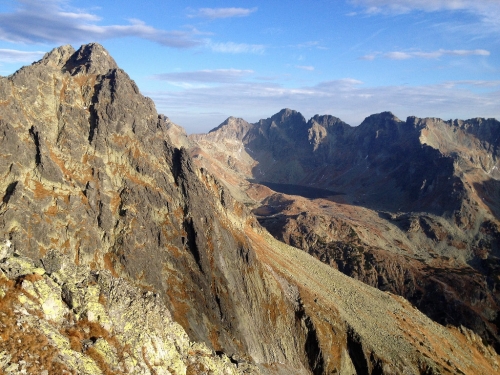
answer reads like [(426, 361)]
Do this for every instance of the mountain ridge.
[(423, 192)]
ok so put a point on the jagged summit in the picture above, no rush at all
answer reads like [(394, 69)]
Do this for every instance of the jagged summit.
[(380, 118), (230, 122), (90, 58), (58, 57), (286, 112), (432, 186), (288, 117), (232, 127), (328, 121)]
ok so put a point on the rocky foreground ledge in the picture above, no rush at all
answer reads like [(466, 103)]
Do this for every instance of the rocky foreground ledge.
[(59, 318)]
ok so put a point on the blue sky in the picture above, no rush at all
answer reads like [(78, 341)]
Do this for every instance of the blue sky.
[(203, 61)]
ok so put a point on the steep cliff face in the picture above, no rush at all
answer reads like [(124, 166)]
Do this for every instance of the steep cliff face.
[(102, 217)]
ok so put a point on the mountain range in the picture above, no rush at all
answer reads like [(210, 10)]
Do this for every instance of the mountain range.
[(409, 207), (129, 247)]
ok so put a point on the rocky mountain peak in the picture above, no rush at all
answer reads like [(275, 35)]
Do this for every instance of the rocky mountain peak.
[(327, 121), (176, 133), (288, 115), (287, 112), (58, 57), (231, 122), (383, 127), (231, 128), (332, 125), (381, 118), (90, 59), (105, 225)]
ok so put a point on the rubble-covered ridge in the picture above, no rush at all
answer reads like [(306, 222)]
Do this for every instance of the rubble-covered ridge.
[(74, 320)]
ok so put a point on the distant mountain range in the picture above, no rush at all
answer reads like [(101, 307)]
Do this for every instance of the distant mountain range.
[(123, 252), (411, 207)]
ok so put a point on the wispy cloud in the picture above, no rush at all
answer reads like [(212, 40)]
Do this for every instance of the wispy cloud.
[(213, 13), (369, 57), (487, 10), (310, 44), (401, 55), (474, 83), (404, 6), (342, 83), (205, 76), (347, 98), (14, 56), (305, 67), (36, 21), (231, 47)]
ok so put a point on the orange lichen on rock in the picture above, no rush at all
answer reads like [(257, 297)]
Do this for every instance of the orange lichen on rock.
[(22, 341), (41, 192), (109, 263), (178, 296), (87, 331)]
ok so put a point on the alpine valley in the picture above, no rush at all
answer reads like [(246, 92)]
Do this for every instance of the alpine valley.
[(282, 247)]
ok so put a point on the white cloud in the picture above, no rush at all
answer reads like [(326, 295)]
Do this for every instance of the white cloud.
[(461, 52), (487, 10), (305, 67), (400, 55), (80, 16), (14, 56), (475, 83), (36, 21), (369, 57), (230, 47), (213, 13), (340, 84), (348, 99), (310, 44), (404, 6), (205, 76)]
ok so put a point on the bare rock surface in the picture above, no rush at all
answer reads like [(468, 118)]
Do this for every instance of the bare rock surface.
[(79, 321)]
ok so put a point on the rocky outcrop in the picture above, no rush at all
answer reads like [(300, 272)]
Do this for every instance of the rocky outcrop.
[(64, 318), (102, 217)]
